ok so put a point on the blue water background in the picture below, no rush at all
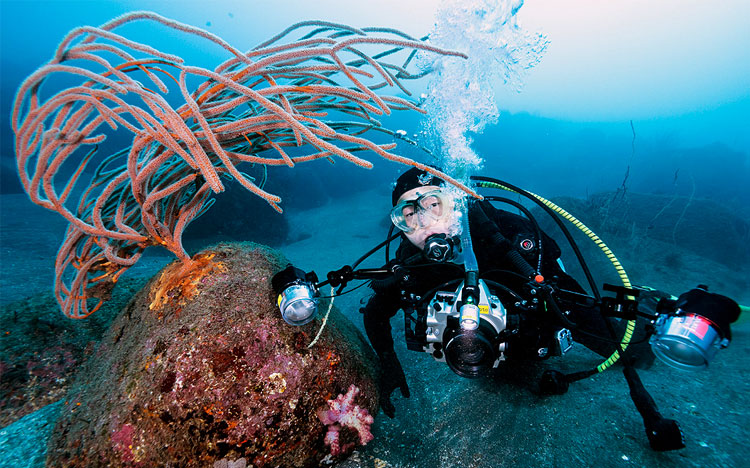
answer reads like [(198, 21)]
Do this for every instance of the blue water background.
[(544, 150), (699, 147), (701, 152)]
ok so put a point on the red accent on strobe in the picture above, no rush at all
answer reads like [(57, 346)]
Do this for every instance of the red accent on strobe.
[(699, 325)]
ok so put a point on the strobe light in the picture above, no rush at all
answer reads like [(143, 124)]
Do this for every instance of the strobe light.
[(687, 342), (297, 295), (690, 337)]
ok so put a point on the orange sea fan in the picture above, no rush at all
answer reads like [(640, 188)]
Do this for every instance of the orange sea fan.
[(319, 92)]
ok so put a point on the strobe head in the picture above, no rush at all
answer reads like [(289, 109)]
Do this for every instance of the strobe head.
[(687, 342), (297, 295), (690, 337)]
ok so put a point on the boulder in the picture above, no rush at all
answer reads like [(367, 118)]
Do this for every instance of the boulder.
[(199, 369)]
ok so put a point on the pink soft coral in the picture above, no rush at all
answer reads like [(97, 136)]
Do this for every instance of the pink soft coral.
[(344, 413)]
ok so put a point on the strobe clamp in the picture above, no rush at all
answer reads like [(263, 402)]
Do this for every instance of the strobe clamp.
[(620, 306), (340, 277)]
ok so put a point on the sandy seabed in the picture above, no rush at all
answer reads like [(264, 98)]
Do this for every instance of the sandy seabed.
[(450, 421)]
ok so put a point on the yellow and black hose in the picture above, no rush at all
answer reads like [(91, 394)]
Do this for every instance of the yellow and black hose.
[(484, 182)]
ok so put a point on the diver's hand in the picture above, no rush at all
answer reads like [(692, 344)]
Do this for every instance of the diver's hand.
[(721, 310), (392, 377)]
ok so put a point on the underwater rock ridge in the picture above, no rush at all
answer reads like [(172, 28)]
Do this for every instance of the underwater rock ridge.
[(215, 376)]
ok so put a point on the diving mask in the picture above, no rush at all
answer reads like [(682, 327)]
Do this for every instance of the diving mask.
[(429, 208)]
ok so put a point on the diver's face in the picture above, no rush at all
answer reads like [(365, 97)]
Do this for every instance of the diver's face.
[(432, 212)]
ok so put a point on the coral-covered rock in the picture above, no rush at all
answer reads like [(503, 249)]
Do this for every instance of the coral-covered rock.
[(200, 370)]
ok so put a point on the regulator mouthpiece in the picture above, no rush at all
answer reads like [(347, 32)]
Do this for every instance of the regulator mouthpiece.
[(441, 248), (297, 295)]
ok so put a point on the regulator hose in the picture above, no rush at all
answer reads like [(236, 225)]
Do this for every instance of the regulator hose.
[(502, 245), (552, 209)]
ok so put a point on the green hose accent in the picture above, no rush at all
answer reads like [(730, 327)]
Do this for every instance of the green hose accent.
[(630, 328), (744, 314)]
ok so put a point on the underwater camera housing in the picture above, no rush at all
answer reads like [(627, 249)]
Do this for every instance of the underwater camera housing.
[(467, 352), (474, 351), (297, 295), (694, 329)]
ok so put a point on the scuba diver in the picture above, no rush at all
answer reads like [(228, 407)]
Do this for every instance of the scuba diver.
[(505, 245), (479, 285)]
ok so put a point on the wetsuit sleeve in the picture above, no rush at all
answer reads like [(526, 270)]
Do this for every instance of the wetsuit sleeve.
[(377, 319)]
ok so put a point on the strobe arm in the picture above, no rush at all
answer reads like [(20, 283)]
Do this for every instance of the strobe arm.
[(342, 276), (298, 291)]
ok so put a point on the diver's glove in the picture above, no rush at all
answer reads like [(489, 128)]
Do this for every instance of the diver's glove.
[(391, 378), (719, 309)]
